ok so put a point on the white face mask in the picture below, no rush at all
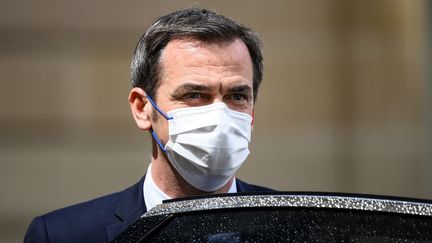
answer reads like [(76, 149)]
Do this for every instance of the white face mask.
[(207, 144)]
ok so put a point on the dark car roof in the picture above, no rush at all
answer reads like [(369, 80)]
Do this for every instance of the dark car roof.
[(298, 199), (285, 217)]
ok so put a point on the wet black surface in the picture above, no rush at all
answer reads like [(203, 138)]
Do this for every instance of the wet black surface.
[(282, 225)]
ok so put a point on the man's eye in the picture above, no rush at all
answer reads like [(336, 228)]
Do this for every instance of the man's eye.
[(238, 97), (193, 96)]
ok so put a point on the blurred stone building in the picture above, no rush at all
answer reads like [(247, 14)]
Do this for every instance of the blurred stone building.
[(345, 104)]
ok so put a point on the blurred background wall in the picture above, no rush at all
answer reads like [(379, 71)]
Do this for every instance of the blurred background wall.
[(345, 104)]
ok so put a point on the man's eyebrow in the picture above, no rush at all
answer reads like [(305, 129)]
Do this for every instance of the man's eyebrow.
[(240, 88), (189, 87)]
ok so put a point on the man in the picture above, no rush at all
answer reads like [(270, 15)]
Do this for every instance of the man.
[(195, 77)]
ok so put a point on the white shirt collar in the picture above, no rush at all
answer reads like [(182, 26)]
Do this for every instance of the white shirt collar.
[(154, 196)]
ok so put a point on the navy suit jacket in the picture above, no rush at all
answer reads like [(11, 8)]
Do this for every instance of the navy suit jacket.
[(99, 220)]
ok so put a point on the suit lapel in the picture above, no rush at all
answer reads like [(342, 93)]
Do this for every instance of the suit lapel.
[(128, 209), (243, 186)]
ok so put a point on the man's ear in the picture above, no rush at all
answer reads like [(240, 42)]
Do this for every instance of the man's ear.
[(140, 107)]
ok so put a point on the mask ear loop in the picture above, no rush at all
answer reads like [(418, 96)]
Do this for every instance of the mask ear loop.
[(158, 141), (157, 108), (161, 146)]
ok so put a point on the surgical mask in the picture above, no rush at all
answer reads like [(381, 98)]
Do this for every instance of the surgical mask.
[(207, 144)]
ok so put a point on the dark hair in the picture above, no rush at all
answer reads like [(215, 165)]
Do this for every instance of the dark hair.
[(200, 24)]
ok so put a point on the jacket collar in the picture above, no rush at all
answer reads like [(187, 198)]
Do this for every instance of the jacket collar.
[(131, 206), (128, 209)]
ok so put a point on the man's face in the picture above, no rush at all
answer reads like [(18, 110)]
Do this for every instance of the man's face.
[(194, 73)]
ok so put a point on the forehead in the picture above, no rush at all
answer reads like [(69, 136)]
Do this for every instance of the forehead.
[(184, 56)]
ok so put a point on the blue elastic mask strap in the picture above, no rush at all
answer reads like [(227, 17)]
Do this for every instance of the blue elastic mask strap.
[(158, 141), (157, 108), (161, 146)]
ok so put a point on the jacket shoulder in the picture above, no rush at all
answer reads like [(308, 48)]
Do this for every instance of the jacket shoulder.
[(83, 222)]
